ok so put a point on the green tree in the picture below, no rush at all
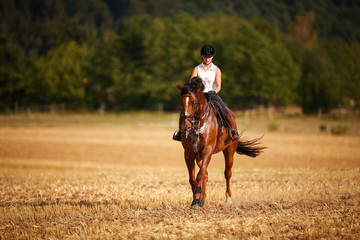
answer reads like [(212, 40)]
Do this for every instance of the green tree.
[(344, 73), (155, 52), (258, 67), (131, 53), (103, 70), (313, 87), (63, 72), (12, 72)]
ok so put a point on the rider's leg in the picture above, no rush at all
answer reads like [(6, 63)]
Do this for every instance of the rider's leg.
[(232, 123), (177, 134), (230, 120)]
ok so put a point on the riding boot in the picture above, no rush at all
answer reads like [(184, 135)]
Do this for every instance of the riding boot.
[(235, 135), (177, 135)]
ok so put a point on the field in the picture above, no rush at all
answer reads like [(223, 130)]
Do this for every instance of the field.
[(122, 177)]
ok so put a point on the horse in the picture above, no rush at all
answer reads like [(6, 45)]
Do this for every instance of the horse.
[(203, 135)]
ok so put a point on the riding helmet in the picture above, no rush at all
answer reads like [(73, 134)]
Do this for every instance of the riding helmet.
[(207, 51)]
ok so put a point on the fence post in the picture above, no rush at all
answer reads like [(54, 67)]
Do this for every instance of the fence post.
[(160, 107), (102, 108), (16, 107)]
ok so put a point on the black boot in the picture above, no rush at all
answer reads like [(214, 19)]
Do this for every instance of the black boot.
[(177, 135), (235, 135)]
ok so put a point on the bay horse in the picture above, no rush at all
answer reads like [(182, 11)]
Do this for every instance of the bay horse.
[(202, 136)]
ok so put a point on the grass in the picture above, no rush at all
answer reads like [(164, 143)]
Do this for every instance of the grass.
[(121, 177)]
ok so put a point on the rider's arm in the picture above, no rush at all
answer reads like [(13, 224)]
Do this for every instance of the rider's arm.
[(218, 80), (194, 73)]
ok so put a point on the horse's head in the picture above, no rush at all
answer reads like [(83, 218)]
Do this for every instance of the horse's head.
[(192, 98)]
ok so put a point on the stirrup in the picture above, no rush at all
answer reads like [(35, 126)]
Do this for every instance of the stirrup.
[(177, 135)]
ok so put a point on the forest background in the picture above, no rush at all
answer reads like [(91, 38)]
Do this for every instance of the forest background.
[(125, 54)]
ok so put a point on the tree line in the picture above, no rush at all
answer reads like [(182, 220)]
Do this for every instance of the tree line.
[(85, 60)]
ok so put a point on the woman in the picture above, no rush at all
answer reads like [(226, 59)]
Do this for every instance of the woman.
[(211, 76)]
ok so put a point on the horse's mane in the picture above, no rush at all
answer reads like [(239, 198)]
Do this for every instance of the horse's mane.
[(192, 86)]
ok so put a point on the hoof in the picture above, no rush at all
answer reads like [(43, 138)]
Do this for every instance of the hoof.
[(228, 200), (195, 207), (197, 203)]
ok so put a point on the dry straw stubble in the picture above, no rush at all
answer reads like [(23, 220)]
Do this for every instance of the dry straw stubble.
[(70, 182)]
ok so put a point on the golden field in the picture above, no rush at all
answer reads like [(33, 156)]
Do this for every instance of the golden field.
[(122, 177)]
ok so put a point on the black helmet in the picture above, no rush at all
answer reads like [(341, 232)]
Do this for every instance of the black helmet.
[(207, 51)]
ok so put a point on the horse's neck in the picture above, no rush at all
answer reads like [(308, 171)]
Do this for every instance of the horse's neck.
[(203, 105)]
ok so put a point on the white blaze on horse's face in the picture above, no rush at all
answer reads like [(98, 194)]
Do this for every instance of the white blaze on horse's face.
[(187, 106)]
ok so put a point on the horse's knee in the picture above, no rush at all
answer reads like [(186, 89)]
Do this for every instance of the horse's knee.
[(192, 182), (200, 178), (228, 174), (206, 176)]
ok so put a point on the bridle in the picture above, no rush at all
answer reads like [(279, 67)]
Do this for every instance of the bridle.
[(196, 103), (192, 118)]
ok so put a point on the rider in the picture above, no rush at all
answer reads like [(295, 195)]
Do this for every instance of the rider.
[(211, 76)]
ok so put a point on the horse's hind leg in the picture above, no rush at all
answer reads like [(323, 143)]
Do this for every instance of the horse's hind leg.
[(229, 160)]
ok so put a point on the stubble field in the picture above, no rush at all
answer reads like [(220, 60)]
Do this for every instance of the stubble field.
[(122, 177)]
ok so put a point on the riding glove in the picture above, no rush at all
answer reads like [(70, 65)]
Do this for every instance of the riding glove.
[(212, 94)]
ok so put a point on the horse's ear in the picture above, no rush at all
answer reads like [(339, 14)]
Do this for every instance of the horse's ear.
[(178, 85)]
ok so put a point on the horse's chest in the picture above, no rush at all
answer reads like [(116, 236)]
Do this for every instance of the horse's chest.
[(196, 138)]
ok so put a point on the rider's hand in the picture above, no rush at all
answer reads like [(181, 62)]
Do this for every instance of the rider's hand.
[(212, 94)]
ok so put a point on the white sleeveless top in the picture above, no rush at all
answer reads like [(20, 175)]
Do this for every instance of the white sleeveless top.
[(208, 77)]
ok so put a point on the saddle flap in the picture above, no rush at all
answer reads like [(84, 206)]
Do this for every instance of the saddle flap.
[(219, 113)]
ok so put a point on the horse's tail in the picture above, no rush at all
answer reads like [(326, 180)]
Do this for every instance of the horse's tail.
[(250, 148)]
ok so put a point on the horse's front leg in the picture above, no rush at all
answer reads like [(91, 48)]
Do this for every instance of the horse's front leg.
[(201, 180), (190, 163)]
